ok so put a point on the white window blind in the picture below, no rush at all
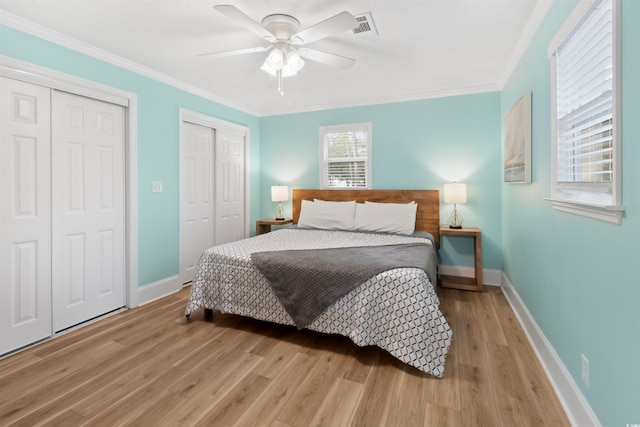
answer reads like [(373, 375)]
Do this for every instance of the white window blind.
[(346, 150), (585, 137), (585, 103)]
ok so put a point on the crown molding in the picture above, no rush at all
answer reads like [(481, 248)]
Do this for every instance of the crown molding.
[(418, 96), (58, 38), (29, 27)]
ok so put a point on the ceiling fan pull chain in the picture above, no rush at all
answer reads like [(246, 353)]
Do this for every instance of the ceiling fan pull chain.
[(280, 82)]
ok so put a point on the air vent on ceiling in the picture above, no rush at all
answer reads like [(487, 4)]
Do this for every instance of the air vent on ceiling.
[(366, 27)]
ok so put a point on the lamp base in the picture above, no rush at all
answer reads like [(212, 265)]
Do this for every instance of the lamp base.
[(455, 220), (279, 213)]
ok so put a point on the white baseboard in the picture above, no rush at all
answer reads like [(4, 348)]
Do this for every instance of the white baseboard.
[(159, 289), (490, 277), (571, 398)]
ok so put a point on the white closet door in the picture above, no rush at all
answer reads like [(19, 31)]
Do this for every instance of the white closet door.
[(229, 186), (196, 196), (87, 208), (25, 214)]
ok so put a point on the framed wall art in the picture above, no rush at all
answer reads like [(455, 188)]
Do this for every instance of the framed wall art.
[(517, 142)]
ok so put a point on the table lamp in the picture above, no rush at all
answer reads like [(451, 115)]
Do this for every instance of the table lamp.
[(279, 193), (455, 193)]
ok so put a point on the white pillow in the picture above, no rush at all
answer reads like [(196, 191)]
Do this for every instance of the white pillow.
[(327, 215), (413, 202), (399, 218), (330, 201)]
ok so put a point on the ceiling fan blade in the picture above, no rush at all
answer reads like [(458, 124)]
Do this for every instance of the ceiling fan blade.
[(237, 15), (336, 24), (327, 58), (235, 52)]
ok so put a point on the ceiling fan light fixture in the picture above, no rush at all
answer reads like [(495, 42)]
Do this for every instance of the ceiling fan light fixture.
[(288, 71), (274, 61), (267, 68), (288, 63), (282, 32), (294, 61)]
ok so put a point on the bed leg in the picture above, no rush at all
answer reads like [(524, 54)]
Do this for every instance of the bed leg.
[(208, 313)]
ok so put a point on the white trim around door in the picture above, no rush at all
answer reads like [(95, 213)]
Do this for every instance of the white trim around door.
[(24, 71), (216, 124)]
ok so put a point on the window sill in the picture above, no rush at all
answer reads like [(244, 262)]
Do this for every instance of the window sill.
[(610, 214)]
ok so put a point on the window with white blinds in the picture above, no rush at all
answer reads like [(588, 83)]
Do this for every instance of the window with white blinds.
[(345, 156), (584, 64)]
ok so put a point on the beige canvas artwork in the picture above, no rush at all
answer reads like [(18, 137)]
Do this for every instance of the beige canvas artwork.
[(517, 142)]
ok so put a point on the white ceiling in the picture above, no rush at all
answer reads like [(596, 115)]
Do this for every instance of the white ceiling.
[(425, 48)]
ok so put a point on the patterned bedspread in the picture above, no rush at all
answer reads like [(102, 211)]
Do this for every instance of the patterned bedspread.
[(396, 310)]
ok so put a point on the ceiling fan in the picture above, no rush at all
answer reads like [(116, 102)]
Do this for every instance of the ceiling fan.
[(286, 42)]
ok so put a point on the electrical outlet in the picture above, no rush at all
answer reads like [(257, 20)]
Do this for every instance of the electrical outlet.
[(585, 370), (156, 187)]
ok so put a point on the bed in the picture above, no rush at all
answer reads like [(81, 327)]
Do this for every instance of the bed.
[(396, 310)]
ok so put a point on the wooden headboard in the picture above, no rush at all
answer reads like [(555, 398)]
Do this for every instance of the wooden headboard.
[(427, 217)]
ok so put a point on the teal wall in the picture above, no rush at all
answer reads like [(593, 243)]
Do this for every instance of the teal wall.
[(574, 274), (158, 131), (577, 276), (415, 145)]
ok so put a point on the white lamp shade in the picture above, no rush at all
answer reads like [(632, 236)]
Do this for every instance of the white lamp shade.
[(455, 193), (275, 59), (289, 62), (279, 193), (293, 64)]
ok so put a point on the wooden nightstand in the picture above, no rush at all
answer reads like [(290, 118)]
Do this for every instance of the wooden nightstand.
[(264, 225), (465, 283)]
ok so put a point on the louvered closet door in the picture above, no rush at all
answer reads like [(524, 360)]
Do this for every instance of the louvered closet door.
[(229, 186), (87, 209), (25, 214)]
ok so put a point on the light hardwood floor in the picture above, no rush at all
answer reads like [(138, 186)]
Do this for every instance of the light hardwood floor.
[(150, 367)]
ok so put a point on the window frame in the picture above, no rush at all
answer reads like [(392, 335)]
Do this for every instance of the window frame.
[(350, 127), (608, 212)]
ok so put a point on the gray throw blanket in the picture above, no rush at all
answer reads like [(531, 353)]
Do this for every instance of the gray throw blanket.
[(307, 282)]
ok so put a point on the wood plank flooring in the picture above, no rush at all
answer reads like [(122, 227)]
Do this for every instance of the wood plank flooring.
[(151, 367)]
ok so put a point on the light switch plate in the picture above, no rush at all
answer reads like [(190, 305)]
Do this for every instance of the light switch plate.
[(156, 187)]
